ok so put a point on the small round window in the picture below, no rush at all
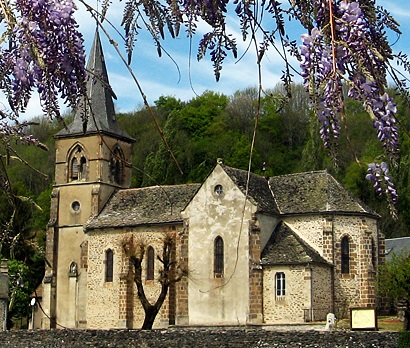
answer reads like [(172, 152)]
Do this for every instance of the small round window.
[(218, 189), (76, 205)]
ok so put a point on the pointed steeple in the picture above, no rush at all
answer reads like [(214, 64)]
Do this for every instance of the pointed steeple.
[(99, 111)]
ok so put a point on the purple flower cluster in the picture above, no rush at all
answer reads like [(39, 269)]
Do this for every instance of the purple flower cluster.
[(347, 54), (366, 66), (343, 46), (16, 132), (324, 86), (212, 11), (378, 173), (383, 111), (45, 52), (5, 235)]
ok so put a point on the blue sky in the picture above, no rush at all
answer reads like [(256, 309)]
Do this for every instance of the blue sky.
[(160, 76)]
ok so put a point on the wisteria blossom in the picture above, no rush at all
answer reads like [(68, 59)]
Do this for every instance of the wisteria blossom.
[(43, 52), (344, 47), (378, 173)]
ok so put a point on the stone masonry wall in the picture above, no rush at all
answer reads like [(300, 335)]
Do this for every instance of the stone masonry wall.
[(181, 306), (302, 282), (116, 304), (290, 308), (218, 338), (255, 275), (3, 313), (324, 233), (322, 294), (356, 289), (309, 228)]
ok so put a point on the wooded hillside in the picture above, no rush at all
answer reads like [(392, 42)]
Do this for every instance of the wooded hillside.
[(213, 126)]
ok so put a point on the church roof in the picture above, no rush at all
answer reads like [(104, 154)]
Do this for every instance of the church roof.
[(397, 246), (141, 206), (303, 193), (259, 191), (99, 111), (309, 192), (314, 192), (285, 247)]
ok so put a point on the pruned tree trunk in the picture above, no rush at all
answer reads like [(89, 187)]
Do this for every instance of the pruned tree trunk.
[(168, 275), (150, 310)]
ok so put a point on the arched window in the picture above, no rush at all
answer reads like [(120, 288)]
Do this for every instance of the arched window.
[(78, 164), (72, 272), (374, 254), (109, 266), (117, 166), (280, 285), (74, 169), (345, 255), (218, 257), (82, 170), (150, 263), (118, 171)]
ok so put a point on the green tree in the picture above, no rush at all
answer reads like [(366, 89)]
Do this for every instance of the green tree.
[(188, 130), (141, 126), (394, 283), (241, 111), (20, 289), (197, 116)]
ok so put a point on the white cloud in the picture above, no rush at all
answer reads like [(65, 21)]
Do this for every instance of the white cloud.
[(33, 108)]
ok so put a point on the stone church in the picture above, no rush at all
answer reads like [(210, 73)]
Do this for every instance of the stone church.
[(286, 249)]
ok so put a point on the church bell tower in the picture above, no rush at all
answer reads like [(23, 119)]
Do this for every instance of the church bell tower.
[(93, 159)]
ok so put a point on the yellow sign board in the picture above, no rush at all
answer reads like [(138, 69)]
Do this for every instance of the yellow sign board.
[(363, 319)]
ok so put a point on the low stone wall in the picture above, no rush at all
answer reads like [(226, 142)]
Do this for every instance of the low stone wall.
[(187, 338)]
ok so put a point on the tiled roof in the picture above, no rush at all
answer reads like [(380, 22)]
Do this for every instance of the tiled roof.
[(304, 193), (258, 191), (148, 205), (285, 247), (313, 192), (397, 246)]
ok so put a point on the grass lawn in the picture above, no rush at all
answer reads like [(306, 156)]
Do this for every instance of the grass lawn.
[(384, 323)]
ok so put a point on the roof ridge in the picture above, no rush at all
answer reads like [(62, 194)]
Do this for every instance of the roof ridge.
[(397, 238), (323, 171), (241, 170), (157, 186), (254, 186), (143, 206), (315, 192)]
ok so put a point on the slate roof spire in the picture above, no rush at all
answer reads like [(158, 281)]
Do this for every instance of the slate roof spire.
[(99, 111)]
